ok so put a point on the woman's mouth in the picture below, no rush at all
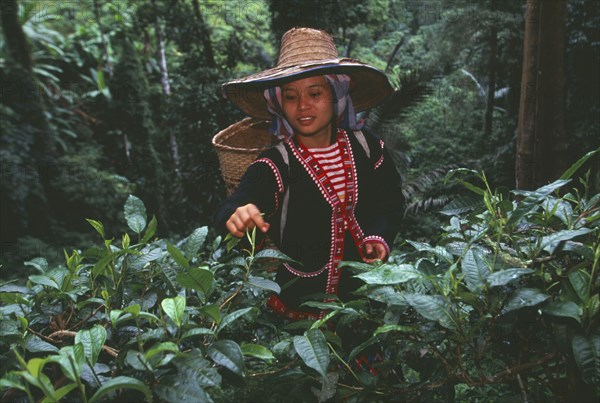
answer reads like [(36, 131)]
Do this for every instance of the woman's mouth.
[(306, 120)]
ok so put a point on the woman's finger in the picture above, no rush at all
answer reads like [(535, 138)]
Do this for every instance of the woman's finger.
[(233, 228), (256, 218), (368, 249), (376, 250), (380, 251)]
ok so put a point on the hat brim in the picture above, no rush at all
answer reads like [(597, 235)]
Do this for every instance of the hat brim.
[(369, 86)]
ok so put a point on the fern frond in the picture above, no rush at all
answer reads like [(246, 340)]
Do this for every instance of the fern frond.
[(414, 88), (428, 204), (426, 181)]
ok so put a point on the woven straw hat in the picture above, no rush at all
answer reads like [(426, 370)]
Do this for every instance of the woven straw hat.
[(307, 52)]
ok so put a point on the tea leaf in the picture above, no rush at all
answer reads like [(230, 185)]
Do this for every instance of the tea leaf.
[(312, 348), (228, 354), (135, 214)]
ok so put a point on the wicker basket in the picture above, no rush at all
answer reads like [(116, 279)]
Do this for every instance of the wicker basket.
[(238, 145)]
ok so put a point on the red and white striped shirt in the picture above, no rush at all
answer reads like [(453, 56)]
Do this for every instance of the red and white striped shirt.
[(330, 160)]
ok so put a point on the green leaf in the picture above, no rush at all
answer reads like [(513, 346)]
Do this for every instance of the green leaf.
[(560, 208), (356, 267), (525, 297), (594, 306), (36, 345), (201, 369), (387, 295), (503, 277), (257, 351), (579, 280), (135, 214), (133, 309), (100, 79), (71, 360), (35, 366), (146, 256), (213, 311), (195, 241), (462, 204), (567, 309), (273, 254), (114, 316), (196, 278), (150, 230), (137, 361), (174, 308), (177, 256), (432, 307), (323, 305), (231, 317), (199, 331), (60, 393), (105, 260), (92, 341), (264, 283), (169, 274), (12, 381), (550, 242), (532, 199), (475, 269), (586, 351), (194, 373), (38, 263), (573, 168), (356, 350), (165, 346), (121, 382), (394, 328), (44, 280), (439, 251), (312, 348), (228, 354), (181, 388), (390, 274), (97, 226)]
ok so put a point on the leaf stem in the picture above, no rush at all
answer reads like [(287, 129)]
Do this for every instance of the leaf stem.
[(342, 361)]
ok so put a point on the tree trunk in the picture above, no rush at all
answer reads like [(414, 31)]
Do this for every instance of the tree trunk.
[(164, 80), (541, 141), (17, 44), (105, 56), (204, 33), (25, 210), (489, 108), (396, 49)]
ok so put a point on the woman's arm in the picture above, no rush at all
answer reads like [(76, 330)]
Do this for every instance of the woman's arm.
[(387, 206), (257, 194)]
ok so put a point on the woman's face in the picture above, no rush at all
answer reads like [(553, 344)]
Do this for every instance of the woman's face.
[(308, 107)]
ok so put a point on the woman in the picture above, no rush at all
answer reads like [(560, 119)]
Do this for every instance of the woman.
[(328, 192)]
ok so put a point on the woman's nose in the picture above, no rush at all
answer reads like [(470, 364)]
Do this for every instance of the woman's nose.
[(303, 102)]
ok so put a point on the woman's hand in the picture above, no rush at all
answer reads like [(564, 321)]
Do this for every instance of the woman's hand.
[(373, 251), (245, 218)]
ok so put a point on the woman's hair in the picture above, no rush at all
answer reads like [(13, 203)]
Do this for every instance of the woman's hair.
[(343, 109)]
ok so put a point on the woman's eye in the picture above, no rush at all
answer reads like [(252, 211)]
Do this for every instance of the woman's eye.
[(289, 97), (315, 94)]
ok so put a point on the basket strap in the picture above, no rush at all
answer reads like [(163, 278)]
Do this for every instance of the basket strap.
[(363, 142), (286, 198)]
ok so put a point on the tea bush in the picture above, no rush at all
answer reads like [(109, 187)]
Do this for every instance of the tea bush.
[(503, 307)]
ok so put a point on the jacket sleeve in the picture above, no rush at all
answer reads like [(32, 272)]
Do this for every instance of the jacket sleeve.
[(388, 205), (260, 185)]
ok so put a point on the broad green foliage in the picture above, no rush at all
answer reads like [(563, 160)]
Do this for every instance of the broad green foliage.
[(507, 297)]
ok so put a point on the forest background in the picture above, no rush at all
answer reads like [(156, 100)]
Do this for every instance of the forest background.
[(491, 291)]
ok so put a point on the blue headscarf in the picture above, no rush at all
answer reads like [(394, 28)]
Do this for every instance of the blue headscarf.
[(343, 108)]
